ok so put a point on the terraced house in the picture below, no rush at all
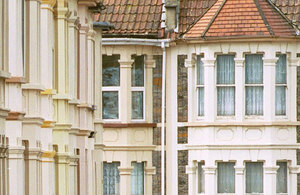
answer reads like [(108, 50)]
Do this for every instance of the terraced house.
[(133, 97)]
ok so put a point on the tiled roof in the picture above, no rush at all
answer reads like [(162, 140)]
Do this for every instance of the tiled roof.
[(241, 18), (192, 10), (132, 17)]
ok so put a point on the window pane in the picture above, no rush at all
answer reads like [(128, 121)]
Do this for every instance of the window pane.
[(137, 105), (137, 179), (280, 99), (254, 177), (281, 177), (110, 103), (226, 101), (201, 101), (254, 100), (201, 179), (226, 178), (137, 73), (281, 69), (111, 179), (225, 69), (254, 69), (110, 70), (200, 71)]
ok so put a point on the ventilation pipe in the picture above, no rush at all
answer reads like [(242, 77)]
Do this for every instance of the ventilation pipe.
[(163, 97)]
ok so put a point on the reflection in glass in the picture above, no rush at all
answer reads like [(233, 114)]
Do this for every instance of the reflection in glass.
[(110, 70), (110, 102), (137, 105)]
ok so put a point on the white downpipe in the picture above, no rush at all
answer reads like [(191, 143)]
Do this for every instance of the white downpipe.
[(163, 119)]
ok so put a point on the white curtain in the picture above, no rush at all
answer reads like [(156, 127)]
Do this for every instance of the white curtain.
[(254, 177), (111, 179), (254, 75), (281, 177), (201, 178), (226, 178), (280, 98), (226, 76), (137, 105), (200, 81), (137, 179)]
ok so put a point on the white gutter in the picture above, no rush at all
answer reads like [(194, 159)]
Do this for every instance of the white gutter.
[(163, 119), (135, 41)]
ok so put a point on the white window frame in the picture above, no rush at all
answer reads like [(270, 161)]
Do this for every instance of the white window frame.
[(112, 89), (253, 85), (287, 106), (139, 89), (198, 117), (228, 117)]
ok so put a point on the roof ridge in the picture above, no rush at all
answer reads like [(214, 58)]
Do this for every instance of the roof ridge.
[(197, 20), (213, 18), (284, 16), (262, 15)]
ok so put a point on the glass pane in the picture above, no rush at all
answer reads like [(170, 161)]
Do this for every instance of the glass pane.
[(137, 179), (225, 69), (226, 101), (137, 72), (254, 100), (111, 179), (200, 101), (201, 179), (280, 100), (110, 104), (281, 177), (254, 177), (226, 178), (281, 69), (200, 71), (110, 70), (137, 105), (254, 69)]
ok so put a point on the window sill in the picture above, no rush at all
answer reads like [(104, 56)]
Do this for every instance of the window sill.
[(128, 125)]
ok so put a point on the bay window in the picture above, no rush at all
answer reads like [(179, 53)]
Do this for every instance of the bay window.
[(137, 179), (281, 85), (137, 88), (200, 86), (254, 84), (111, 87), (111, 178), (226, 178), (254, 177), (225, 85)]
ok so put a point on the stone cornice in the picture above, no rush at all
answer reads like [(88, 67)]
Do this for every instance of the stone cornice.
[(12, 115), (125, 170), (3, 113), (33, 120), (4, 74), (62, 127), (150, 170), (126, 63), (48, 154), (48, 124), (129, 148), (48, 92), (20, 80)]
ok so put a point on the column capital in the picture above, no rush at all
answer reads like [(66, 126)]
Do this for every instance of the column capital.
[(190, 63), (209, 62), (211, 170), (270, 61), (294, 169), (239, 170), (239, 62), (271, 170), (62, 158), (150, 170), (126, 63), (16, 152), (149, 62), (190, 169), (293, 61), (125, 170), (62, 12), (33, 154)]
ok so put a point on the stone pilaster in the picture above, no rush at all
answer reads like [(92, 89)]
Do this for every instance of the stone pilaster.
[(48, 171), (209, 92), (125, 180), (210, 180), (239, 179), (149, 65), (149, 172), (62, 173), (270, 179), (190, 65), (125, 88), (293, 171), (239, 87), (191, 171), (73, 190)]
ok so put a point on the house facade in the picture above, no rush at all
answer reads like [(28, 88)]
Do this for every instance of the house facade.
[(230, 96)]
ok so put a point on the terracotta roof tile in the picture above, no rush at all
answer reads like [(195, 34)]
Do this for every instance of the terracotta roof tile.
[(241, 18), (132, 17)]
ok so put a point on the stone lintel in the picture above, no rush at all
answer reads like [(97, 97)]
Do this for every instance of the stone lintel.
[(150, 170)]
